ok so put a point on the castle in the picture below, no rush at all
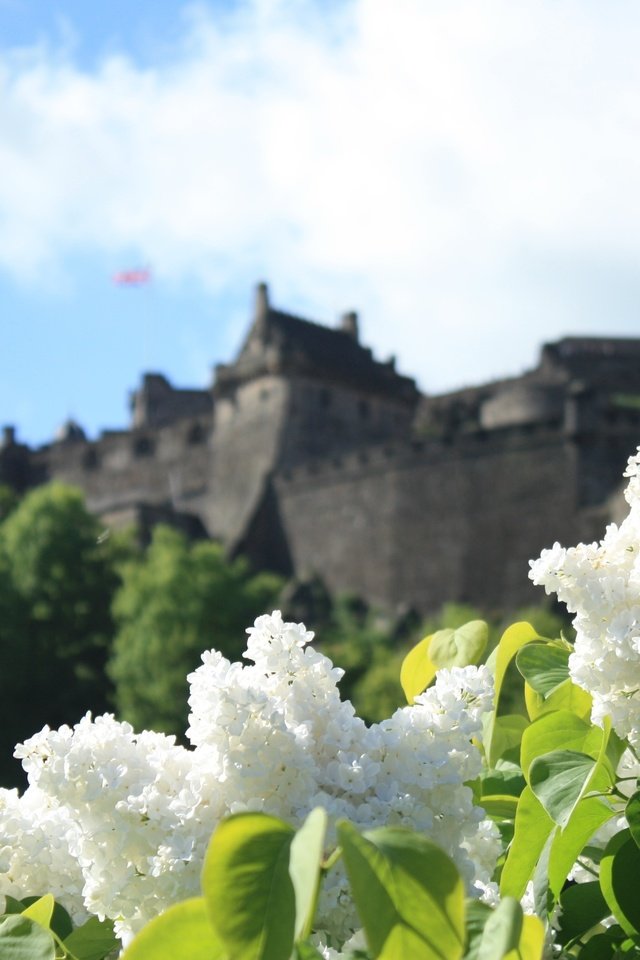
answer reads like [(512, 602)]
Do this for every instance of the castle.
[(311, 457)]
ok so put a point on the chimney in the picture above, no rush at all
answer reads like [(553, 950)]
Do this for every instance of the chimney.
[(261, 307), (349, 324), (8, 437)]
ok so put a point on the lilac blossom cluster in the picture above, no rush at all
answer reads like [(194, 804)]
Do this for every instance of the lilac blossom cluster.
[(116, 823), (600, 583)]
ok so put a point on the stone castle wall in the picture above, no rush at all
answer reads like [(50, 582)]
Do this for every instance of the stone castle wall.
[(315, 459)]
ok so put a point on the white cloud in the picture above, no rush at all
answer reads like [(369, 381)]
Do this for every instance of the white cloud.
[(463, 172)]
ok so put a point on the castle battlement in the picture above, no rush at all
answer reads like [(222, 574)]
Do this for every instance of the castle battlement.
[(312, 457)]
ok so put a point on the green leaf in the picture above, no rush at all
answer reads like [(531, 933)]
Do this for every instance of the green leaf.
[(632, 813), (501, 931), (558, 730), (500, 806), (304, 867), (545, 666), (248, 888), (41, 910), (619, 872), (183, 931), (417, 670), (569, 843), (583, 907), (507, 733), (531, 945), (93, 940), (461, 647), (408, 893), (11, 905), (516, 636), (567, 696), (533, 826), (476, 916), (599, 947), (559, 779), (505, 779), (24, 939)]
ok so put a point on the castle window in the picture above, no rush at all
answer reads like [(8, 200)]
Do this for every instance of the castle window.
[(364, 409), (143, 447), (196, 434), (90, 459)]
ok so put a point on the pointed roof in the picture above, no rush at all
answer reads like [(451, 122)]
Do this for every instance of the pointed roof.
[(282, 343)]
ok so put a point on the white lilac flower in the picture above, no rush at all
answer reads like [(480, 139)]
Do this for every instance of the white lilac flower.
[(600, 584), (130, 814)]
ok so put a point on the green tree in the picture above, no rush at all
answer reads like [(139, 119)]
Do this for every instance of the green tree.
[(57, 582), (178, 601)]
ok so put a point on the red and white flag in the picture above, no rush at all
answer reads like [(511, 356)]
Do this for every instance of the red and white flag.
[(132, 278)]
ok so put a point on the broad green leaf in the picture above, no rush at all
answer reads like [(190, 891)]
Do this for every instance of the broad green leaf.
[(183, 931), (553, 731), (632, 813), (499, 806), (599, 947), (417, 670), (408, 893), (476, 916), (545, 666), (502, 930), (619, 873), (567, 696), (11, 905), (506, 777), (531, 945), (532, 828), (93, 940), (24, 939), (514, 637), (590, 814), (461, 647), (304, 867), (41, 910), (248, 888), (507, 734), (583, 907), (559, 779)]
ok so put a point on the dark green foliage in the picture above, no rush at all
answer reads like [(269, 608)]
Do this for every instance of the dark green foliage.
[(178, 600), (56, 587)]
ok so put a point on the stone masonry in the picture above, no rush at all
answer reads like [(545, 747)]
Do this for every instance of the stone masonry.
[(311, 457)]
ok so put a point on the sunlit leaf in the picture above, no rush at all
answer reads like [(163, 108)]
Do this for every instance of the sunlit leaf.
[(502, 930), (24, 939), (515, 637), (545, 666), (41, 910), (408, 893), (533, 826), (569, 843), (248, 888), (183, 931), (460, 647), (553, 731), (417, 670), (559, 779), (304, 867)]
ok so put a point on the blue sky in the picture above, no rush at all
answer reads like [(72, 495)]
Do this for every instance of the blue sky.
[(463, 174)]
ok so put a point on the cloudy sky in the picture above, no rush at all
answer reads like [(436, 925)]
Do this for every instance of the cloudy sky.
[(464, 173)]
